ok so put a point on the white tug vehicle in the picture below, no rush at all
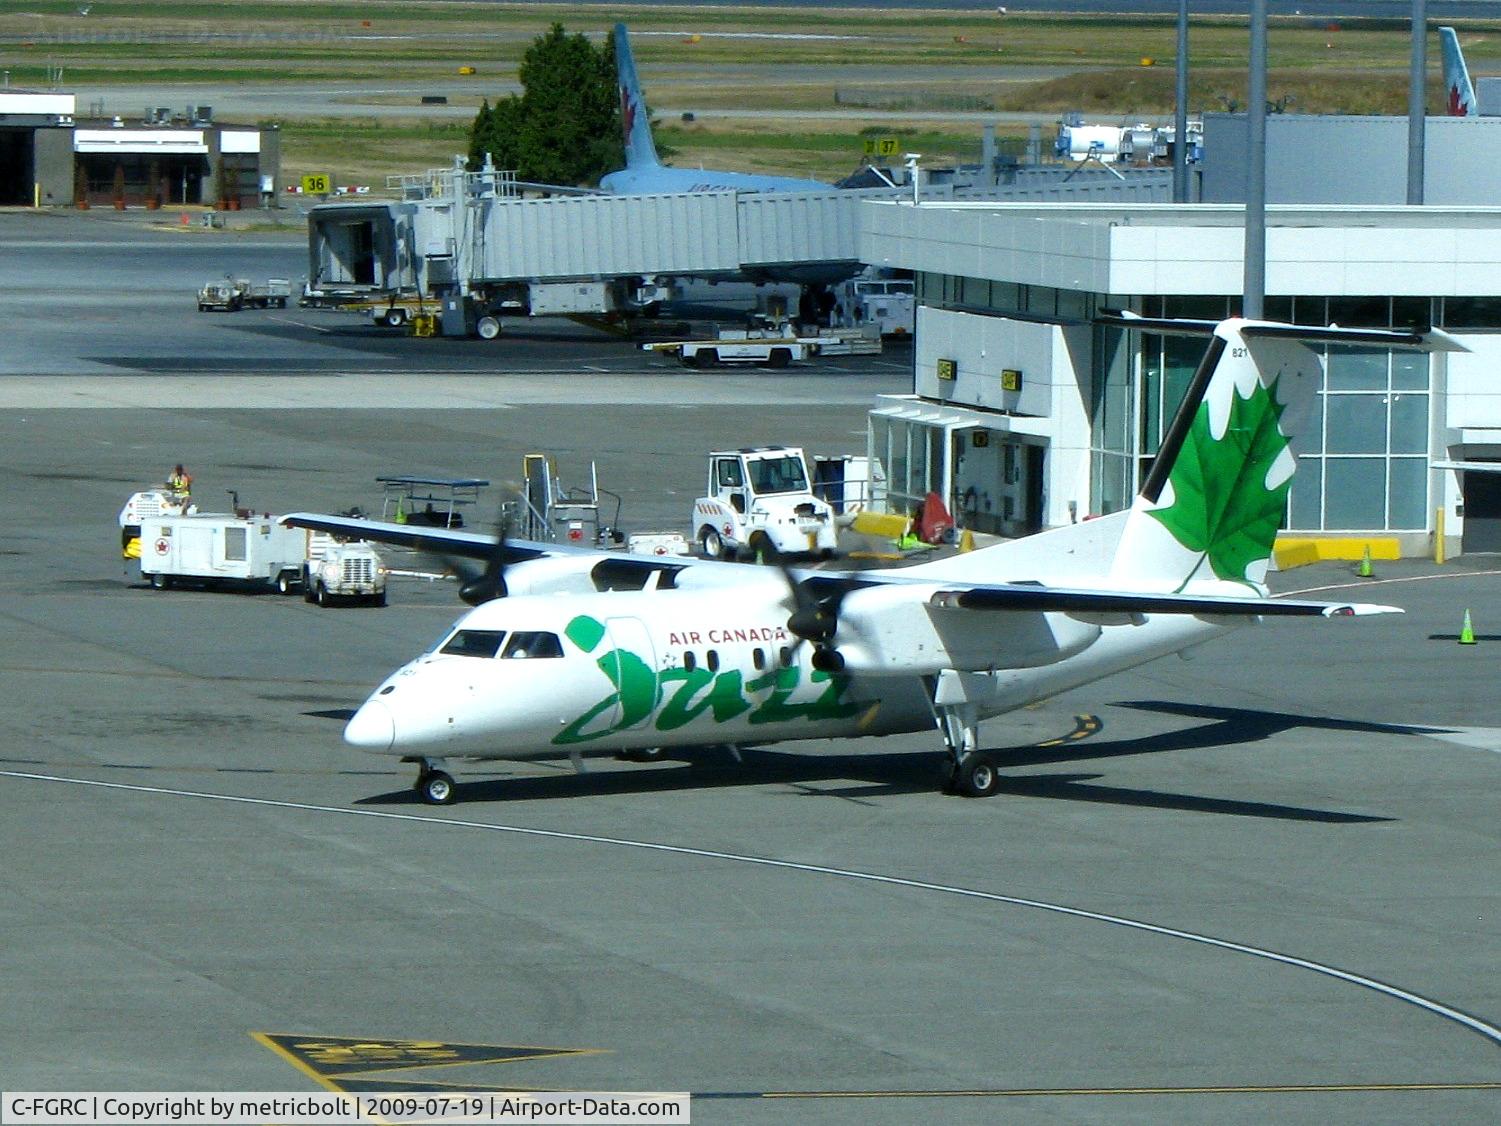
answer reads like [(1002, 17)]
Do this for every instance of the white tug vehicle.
[(760, 497)]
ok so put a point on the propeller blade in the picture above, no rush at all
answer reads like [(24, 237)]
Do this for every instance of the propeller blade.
[(491, 582), (813, 619)]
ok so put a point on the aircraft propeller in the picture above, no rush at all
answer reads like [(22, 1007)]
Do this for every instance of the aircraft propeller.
[(491, 582), (814, 619)]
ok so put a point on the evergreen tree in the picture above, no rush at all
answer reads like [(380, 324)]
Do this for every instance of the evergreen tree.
[(564, 128), (495, 131)]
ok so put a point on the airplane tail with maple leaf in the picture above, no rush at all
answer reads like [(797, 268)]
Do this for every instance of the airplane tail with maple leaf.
[(1216, 495), (640, 149), (1459, 100)]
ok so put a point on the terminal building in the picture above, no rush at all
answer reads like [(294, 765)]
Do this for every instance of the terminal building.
[(51, 157), (1028, 410)]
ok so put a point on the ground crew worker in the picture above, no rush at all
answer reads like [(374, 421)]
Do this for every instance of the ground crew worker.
[(180, 482)]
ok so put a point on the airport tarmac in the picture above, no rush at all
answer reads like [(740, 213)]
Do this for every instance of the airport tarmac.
[(1258, 884)]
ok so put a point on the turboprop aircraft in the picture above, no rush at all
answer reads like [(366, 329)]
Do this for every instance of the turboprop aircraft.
[(644, 171), (572, 651)]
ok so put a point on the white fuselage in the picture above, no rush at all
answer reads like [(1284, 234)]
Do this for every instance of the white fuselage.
[(632, 669)]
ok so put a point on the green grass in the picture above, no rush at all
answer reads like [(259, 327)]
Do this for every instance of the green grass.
[(151, 31), (935, 60)]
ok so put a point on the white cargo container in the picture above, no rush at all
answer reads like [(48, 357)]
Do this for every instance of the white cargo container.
[(218, 548)]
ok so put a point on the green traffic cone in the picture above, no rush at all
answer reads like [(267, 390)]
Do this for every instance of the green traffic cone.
[(1467, 631), (1364, 571)]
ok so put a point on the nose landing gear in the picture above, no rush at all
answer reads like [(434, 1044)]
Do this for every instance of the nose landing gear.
[(434, 785)]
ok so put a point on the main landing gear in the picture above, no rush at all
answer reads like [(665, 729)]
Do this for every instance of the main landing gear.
[(433, 785), (971, 771)]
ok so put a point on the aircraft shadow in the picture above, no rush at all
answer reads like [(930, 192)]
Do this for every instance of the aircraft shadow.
[(1229, 726), (861, 777)]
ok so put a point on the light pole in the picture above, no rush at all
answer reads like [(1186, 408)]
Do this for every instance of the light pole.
[(1255, 252)]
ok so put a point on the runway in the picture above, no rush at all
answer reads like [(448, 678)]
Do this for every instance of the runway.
[(1256, 885)]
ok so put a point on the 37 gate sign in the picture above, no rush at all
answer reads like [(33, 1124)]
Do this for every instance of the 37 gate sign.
[(316, 184), (881, 146)]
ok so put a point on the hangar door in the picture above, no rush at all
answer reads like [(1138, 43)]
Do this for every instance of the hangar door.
[(17, 175)]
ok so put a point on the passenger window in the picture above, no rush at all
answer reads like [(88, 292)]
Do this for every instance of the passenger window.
[(758, 658), (690, 662), (474, 643), (786, 656), (532, 645), (713, 661)]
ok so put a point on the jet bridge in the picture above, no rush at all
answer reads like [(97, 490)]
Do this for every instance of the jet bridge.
[(475, 244)]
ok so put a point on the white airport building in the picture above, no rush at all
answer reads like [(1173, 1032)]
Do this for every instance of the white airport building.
[(1029, 412)]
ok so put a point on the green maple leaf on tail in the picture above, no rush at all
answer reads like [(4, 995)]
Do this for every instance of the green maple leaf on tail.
[(1221, 504)]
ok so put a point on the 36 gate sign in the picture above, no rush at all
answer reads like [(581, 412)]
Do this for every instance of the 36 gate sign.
[(319, 183)]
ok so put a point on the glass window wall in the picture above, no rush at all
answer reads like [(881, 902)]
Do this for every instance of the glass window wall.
[(1367, 445)]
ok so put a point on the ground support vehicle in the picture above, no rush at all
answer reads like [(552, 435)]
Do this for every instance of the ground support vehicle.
[(864, 340), (773, 343), (887, 304), (273, 293), (146, 505), (730, 348), (342, 570), (219, 549), (220, 295), (437, 502), (233, 294), (546, 511), (657, 543), (762, 497)]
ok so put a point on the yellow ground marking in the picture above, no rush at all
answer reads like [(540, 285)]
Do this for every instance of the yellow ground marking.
[(1084, 727), (330, 1058)]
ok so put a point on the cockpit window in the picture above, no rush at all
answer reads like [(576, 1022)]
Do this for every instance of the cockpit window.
[(474, 643), (533, 645)]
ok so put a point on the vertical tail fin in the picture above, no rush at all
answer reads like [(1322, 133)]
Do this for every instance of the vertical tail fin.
[(640, 151), (1214, 500), (1460, 94)]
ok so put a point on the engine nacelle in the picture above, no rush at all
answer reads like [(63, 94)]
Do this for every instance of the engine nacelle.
[(552, 574)]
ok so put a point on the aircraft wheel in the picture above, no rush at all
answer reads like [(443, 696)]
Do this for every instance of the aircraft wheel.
[(977, 776), (436, 788), (710, 543), (645, 754)]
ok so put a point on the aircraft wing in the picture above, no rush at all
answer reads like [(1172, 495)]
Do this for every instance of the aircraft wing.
[(1037, 598), (452, 544), (835, 585)]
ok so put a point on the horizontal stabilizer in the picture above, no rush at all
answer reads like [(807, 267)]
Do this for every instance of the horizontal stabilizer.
[(1427, 340)]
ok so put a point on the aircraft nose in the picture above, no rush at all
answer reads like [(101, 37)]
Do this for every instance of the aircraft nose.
[(371, 728)]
